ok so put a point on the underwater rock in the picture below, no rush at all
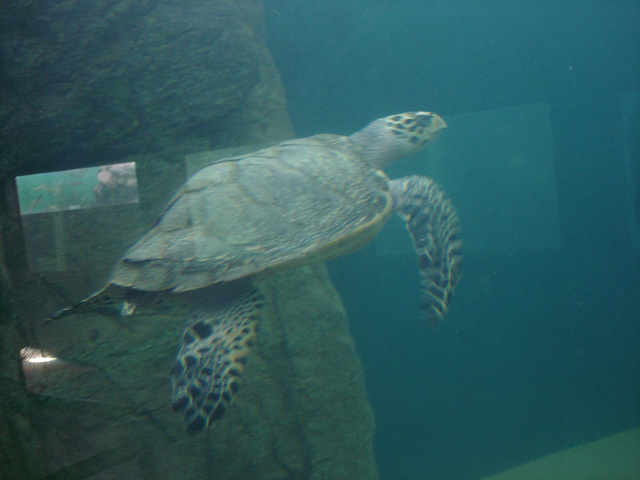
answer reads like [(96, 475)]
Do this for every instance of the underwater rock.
[(301, 410), (82, 82), (302, 407), (91, 83), (19, 442)]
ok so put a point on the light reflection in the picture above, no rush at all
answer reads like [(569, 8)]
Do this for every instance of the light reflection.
[(35, 355)]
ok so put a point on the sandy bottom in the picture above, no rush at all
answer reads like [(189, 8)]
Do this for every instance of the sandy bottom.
[(612, 458)]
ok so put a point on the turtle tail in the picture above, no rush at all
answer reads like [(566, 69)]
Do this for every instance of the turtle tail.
[(433, 224), (215, 347)]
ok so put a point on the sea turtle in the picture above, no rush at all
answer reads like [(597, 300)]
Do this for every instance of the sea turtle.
[(241, 219)]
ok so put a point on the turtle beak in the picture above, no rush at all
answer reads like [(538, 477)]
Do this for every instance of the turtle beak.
[(432, 122)]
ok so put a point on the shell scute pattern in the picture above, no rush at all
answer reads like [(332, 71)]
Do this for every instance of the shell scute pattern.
[(256, 212)]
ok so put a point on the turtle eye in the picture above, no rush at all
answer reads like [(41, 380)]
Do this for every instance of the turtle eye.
[(424, 120)]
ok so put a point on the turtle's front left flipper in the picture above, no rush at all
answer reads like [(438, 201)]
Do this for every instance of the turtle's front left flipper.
[(215, 347), (433, 224)]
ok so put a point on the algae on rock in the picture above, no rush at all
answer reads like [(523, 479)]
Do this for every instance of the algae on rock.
[(301, 410), (92, 83), (84, 82)]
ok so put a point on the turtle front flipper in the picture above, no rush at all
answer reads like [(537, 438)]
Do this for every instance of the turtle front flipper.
[(215, 347), (433, 224)]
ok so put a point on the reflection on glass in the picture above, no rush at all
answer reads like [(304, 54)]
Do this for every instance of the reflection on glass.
[(35, 355), (79, 188)]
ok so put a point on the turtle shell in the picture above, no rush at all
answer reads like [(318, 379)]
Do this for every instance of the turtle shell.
[(299, 202)]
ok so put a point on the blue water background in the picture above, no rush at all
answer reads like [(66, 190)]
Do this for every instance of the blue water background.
[(542, 348)]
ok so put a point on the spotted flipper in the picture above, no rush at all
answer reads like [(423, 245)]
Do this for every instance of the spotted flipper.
[(215, 347), (433, 224)]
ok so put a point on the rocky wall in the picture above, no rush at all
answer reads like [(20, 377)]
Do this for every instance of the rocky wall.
[(85, 82), (88, 83), (301, 411)]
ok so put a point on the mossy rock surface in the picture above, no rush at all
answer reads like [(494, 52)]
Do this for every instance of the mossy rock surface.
[(88, 82), (301, 411)]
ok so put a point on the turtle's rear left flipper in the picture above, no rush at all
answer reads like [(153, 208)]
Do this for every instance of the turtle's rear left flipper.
[(108, 301), (215, 347), (433, 224), (115, 301)]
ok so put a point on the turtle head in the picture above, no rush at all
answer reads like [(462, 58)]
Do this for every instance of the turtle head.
[(390, 138)]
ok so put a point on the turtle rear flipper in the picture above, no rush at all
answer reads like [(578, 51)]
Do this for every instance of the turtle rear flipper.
[(215, 347), (116, 301), (110, 301), (433, 224)]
